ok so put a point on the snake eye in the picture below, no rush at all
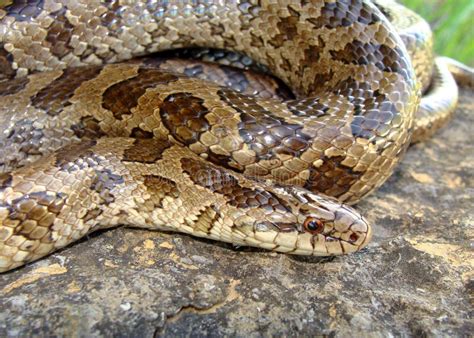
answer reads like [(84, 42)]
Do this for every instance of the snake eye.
[(313, 225)]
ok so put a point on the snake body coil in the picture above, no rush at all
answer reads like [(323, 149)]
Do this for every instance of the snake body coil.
[(98, 146)]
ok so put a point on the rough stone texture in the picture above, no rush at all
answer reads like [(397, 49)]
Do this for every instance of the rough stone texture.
[(415, 278)]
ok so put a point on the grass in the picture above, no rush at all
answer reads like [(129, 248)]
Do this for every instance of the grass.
[(453, 24)]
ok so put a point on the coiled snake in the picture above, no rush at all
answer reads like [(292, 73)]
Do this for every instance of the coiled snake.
[(87, 146)]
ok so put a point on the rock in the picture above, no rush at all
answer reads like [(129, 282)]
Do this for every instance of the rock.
[(415, 277)]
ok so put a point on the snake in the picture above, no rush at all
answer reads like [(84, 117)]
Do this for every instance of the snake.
[(94, 137)]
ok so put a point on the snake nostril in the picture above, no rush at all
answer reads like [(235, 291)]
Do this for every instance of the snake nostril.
[(353, 237)]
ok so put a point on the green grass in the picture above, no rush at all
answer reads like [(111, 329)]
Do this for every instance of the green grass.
[(453, 24)]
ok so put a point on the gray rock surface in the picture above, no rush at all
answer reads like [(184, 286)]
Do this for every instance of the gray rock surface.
[(414, 278)]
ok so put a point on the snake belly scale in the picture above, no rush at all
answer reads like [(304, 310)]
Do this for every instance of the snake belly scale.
[(98, 146)]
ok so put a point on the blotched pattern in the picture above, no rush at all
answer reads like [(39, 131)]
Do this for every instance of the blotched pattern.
[(115, 133)]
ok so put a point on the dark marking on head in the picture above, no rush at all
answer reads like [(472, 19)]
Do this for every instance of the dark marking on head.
[(24, 10), (332, 177), (159, 187), (279, 226), (121, 97), (184, 116), (220, 181), (88, 128), (55, 96), (60, 33), (145, 150), (104, 182)]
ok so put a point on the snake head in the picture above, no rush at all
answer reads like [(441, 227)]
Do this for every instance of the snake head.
[(310, 224)]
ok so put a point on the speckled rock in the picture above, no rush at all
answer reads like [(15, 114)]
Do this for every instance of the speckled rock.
[(414, 278)]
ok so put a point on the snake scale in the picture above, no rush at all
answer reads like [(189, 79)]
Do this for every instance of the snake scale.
[(91, 141)]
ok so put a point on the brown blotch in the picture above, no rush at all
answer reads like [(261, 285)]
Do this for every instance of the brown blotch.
[(257, 41), (88, 127), (6, 60), (287, 29), (103, 183), (55, 96), (220, 181), (138, 132), (184, 116), (332, 177), (60, 33), (71, 154), (145, 150), (13, 86), (121, 97), (92, 214), (36, 213), (318, 85), (159, 187), (5, 181), (312, 54)]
